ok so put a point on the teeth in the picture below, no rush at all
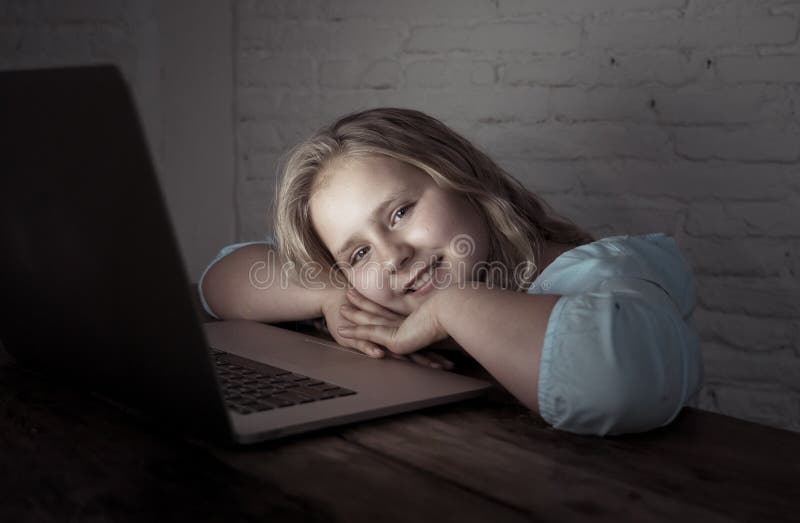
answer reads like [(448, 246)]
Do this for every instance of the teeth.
[(425, 277)]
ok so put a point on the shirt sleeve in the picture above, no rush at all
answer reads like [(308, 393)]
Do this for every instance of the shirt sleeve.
[(620, 352), (619, 359), (270, 240)]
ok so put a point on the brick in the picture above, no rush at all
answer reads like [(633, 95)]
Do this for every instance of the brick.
[(765, 404), (748, 257), (262, 166), (490, 105), (412, 98), (44, 46), (257, 103), (577, 104), (483, 73), (607, 69), (293, 132), (731, 8), (274, 36), (758, 69), (275, 71), (597, 69), (11, 38), (537, 38), (689, 181), (545, 177), (355, 38), (254, 200), (13, 11), (636, 34), (281, 9), (261, 135), (451, 73), (607, 216), (256, 33), (756, 143), (793, 93), (550, 71), (292, 107), (113, 44), (412, 10), (341, 74), (382, 74), (780, 8), (666, 67), (502, 37), (437, 39), (272, 137), (772, 297), (576, 141), (737, 219), (84, 11), (582, 7), (741, 336), (427, 73), (731, 105), (333, 104)]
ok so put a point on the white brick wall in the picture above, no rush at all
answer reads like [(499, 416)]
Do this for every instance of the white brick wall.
[(629, 116)]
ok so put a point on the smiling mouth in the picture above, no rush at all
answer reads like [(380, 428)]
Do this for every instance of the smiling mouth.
[(423, 279)]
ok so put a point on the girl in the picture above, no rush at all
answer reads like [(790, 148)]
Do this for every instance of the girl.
[(422, 237)]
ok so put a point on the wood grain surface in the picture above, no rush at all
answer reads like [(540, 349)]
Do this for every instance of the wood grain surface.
[(68, 456)]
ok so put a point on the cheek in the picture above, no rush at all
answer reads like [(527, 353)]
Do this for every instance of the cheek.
[(370, 284)]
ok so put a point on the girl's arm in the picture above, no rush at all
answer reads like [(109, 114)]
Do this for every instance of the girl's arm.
[(503, 330), (250, 284)]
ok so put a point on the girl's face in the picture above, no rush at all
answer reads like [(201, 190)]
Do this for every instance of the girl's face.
[(390, 227)]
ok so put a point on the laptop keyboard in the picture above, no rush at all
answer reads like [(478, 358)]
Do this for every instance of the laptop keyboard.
[(249, 386)]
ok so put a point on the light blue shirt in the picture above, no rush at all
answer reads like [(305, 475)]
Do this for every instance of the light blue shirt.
[(221, 254), (620, 352)]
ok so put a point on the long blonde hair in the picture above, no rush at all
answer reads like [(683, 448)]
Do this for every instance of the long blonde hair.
[(519, 221)]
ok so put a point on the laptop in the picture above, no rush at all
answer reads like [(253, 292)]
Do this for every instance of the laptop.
[(94, 289)]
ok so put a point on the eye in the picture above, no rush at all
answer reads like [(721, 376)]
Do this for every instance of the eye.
[(401, 212), (356, 257)]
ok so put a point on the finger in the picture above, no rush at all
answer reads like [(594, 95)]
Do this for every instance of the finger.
[(422, 359), (321, 325), (361, 317), (364, 346), (370, 349), (441, 360), (370, 306), (379, 334)]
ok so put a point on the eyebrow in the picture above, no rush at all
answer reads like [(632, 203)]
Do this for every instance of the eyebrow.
[(379, 209)]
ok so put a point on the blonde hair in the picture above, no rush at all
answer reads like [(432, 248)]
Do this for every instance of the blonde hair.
[(518, 220)]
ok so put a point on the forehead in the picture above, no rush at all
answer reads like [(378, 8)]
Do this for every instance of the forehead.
[(366, 171), (349, 189)]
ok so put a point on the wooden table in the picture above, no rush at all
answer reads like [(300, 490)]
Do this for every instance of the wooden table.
[(67, 456)]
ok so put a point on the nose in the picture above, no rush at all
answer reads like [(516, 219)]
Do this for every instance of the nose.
[(396, 254)]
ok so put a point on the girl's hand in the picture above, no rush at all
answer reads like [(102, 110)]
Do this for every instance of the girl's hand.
[(334, 319), (402, 336)]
